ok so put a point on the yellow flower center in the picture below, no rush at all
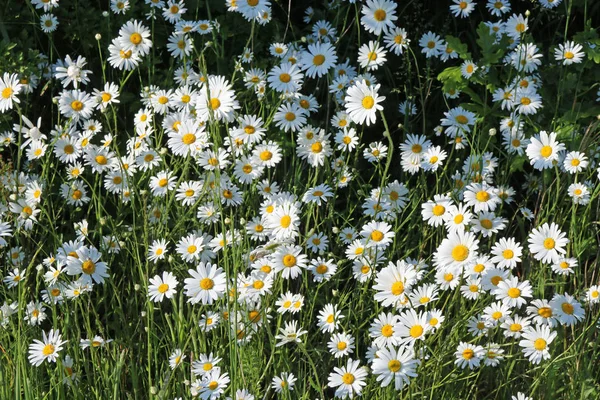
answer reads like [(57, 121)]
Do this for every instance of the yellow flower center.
[(468, 354), (7, 92), (549, 243), (368, 102), (48, 350), (397, 288), (88, 267), (546, 151), (348, 378), (567, 308), (379, 15), (163, 287), (285, 221), (514, 293), (285, 77), (416, 331), (460, 253), (545, 312), (319, 59), (290, 116), (508, 254), (540, 344), (438, 210), (77, 105), (289, 260), (207, 283)]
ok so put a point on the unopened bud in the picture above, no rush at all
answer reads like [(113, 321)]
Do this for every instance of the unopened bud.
[(98, 36), (493, 132)]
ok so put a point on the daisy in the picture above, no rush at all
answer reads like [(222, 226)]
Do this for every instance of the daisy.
[(253, 9), (457, 250), (86, 261), (283, 382), (289, 334), (396, 40), (564, 266), (75, 104), (567, 310), (593, 294), (431, 44), (135, 37), (160, 288), (162, 182), (362, 103), (507, 253), (512, 292), (498, 7), (535, 343), (462, 8), (543, 150), (348, 380), (412, 326), (468, 355), (176, 358), (329, 318), (468, 68), (341, 345), (398, 365), (206, 285), (528, 101), (286, 78), (433, 158), (516, 26), (48, 23), (174, 10), (393, 281), (513, 326), (213, 384), (377, 234), (216, 100), (547, 243), (289, 261), (371, 55), (290, 117), (318, 195), (541, 313), (318, 59), (47, 348), (579, 192), (569, 53), (575, 162), (378, 16), (122, 59)]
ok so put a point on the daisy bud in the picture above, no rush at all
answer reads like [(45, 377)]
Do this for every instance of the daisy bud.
[(186, 382), (335, 230), (39, 268), (527, 13), (105, 13), (153, 390), (103, 221), (136, 287), (303, 39), (143, 314), (145, 329), (143, 192), (171, 259), (163, 150), (493, 132), (334, 292), (98, 36), (55, 100), (13, 197), (227, 221), (243, 221)]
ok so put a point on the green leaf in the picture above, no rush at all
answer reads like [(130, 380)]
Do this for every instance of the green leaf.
[(461, 49)]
